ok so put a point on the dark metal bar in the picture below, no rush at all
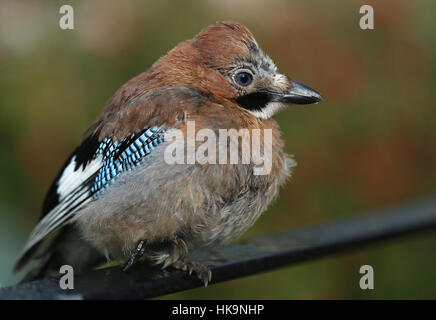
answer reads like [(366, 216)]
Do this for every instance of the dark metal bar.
[(241, 259)]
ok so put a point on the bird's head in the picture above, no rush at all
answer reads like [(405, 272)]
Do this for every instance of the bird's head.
[(225, 60)]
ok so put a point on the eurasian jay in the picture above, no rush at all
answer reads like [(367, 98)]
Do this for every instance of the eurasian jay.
[(116, 196)]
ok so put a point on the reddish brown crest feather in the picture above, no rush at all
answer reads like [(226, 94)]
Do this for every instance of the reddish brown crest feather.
[(192, 64)]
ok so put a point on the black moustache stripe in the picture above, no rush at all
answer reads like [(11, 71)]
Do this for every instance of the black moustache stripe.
[(255, 101)]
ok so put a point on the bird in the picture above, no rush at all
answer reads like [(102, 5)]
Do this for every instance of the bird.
[(117, 198)]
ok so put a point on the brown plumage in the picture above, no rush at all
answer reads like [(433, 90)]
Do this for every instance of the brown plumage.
[(218, 80)]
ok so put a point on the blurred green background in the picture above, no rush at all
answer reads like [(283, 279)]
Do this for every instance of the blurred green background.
[(369, 145)]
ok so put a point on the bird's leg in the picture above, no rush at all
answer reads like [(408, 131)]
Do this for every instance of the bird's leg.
[(136, 255), (203, 271), (181, 244)]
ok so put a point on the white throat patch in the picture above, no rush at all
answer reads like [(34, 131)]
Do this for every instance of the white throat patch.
[(269, 110)]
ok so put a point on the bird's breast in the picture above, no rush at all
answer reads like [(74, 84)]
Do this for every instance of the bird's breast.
[(174, 192)]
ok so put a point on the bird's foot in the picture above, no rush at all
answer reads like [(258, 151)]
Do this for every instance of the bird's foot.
[(181, 244), (203, 271), (136, 255)]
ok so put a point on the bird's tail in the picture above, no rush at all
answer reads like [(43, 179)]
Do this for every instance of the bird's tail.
[(66, 248)]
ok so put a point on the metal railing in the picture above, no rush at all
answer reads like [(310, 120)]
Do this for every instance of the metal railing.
[(241, 259)]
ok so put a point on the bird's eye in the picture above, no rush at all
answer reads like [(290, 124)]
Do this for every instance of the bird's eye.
[(243, 78)]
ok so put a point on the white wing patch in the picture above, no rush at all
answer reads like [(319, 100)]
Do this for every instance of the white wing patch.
[(78, 185), (73, 193), (71, 179)]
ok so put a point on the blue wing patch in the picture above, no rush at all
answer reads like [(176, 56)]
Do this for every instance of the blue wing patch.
[(124, 156), (87, 174)]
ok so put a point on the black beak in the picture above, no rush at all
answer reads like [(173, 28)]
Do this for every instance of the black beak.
[(299, 93)]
